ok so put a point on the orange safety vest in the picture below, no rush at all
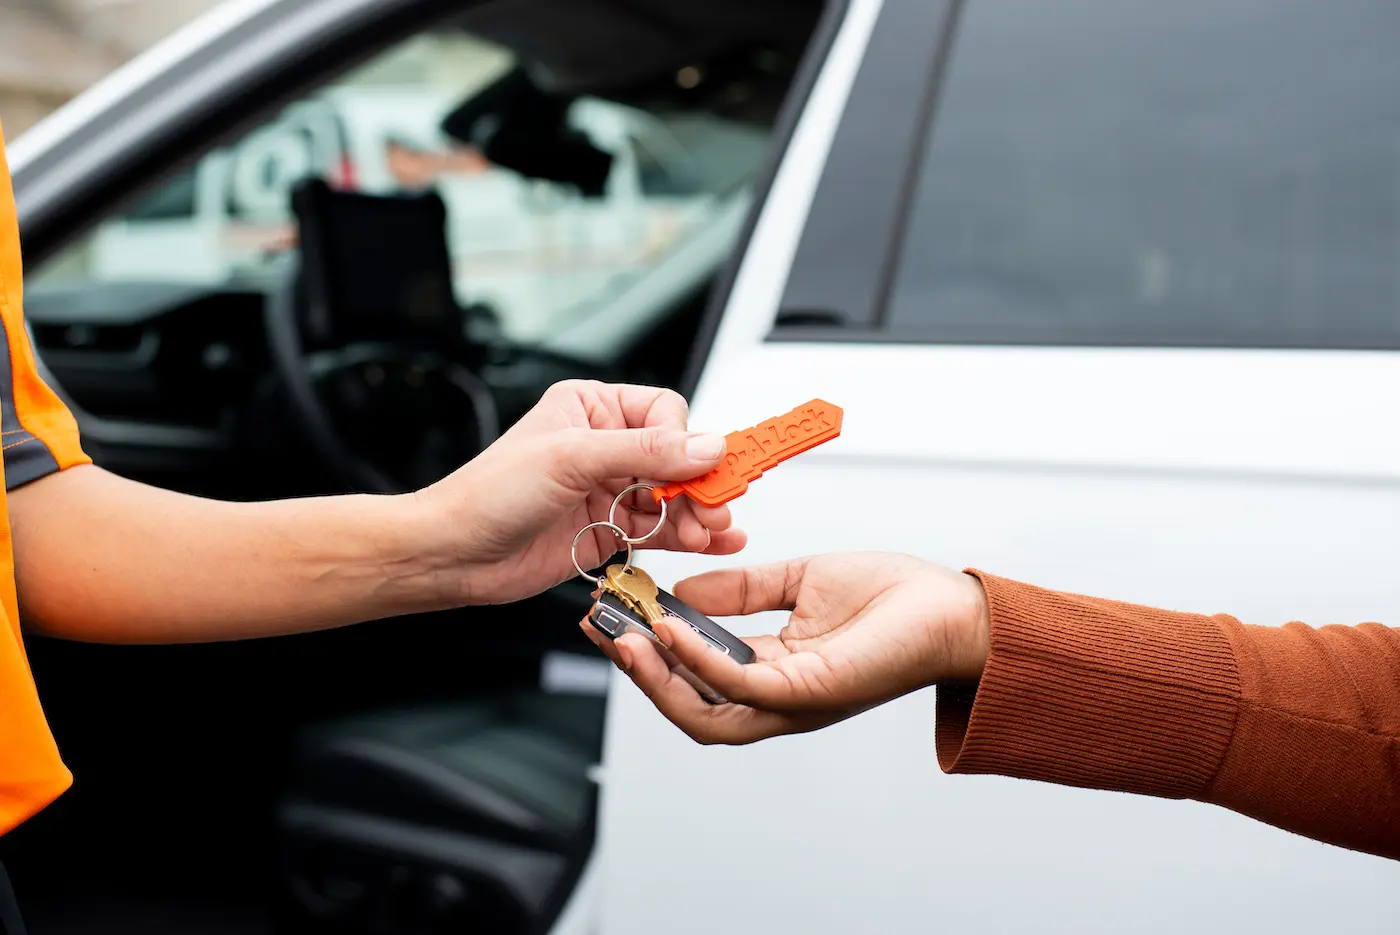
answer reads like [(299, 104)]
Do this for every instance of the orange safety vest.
[(37, 437)]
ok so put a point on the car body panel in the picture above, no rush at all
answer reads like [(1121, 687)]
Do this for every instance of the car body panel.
[(1241, 481)]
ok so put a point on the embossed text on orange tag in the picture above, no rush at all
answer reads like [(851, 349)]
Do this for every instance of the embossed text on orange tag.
[(754, 450)]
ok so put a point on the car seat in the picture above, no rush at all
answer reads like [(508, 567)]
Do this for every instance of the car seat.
[(474, 815)]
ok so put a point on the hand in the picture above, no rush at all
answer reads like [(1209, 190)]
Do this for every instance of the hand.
[(503, 523), (865, 628)]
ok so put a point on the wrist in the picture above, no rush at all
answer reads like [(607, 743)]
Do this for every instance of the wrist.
[(420, 568), (976, 628)]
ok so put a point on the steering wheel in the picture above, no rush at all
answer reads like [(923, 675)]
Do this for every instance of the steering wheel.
[(385, 417)]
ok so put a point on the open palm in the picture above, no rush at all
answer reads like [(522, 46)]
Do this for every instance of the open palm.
[(864, 628)]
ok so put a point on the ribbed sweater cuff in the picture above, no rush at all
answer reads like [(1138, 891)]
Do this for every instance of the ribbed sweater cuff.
[(1086, 692)]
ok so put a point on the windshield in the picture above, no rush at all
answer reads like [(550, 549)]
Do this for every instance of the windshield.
[(539, 254), (1182, 173)]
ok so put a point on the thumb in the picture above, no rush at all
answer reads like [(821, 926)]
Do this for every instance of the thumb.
[(591, 456), (734, 592)]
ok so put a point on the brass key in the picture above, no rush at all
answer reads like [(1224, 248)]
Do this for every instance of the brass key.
[(629, 600), (637, 590)]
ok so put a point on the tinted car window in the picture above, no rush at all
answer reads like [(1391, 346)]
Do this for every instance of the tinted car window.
[(1141, 172)]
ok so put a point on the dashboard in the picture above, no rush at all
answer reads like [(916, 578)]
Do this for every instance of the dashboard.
[(152, 352), (174, 384)]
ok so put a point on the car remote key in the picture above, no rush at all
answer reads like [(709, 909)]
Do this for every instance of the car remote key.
[(616, 612)]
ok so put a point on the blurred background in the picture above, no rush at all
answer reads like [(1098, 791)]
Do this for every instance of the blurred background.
[(52, 49)]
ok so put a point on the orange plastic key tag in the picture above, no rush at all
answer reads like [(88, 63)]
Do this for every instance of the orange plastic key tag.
[(754, 450)]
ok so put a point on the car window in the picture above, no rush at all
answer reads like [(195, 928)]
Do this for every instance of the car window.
[(540, 254), (1189, 173)]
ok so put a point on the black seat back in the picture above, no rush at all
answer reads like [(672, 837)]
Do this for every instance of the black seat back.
[(375, 268)]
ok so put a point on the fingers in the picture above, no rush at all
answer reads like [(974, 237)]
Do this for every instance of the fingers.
[(653, 444), (689, 527), (691, 538), (799, 684), (587, 458), (618, 406), (691, 534), (767, 648), (759, 685), (721, 538), (713, 518), (704, 529), (607, 646), (727, 542), (682, 532), (680, 704), (601, 641), (643, 406), (736, 591)]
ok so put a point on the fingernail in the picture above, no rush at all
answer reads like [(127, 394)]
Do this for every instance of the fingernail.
[(705, 447), (663, 633), (625, 655)]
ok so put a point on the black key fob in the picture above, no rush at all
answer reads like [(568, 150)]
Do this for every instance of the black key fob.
[(612, 617)]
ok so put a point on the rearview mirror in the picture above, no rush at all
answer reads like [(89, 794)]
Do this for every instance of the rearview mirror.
[(518, 126)]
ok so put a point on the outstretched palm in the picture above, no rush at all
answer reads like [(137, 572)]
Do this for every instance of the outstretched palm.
[(865, 628)]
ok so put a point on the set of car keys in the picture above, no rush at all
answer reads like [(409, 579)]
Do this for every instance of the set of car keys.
[(628, 600)]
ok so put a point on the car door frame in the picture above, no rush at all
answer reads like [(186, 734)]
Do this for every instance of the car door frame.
[(205, 85)]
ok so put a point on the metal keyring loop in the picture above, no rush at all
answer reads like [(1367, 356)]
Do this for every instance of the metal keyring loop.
[(617, 501), (621, 534)]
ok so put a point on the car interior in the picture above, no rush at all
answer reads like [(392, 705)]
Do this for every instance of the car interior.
[(419, 774)]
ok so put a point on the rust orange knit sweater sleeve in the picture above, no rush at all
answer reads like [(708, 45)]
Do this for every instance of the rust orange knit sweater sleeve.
[(1295, 726)]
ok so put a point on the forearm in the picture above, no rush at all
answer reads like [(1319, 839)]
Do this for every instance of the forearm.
[(101, 558), (1294, 726)]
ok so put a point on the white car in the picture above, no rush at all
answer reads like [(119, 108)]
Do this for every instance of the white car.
[(1109, 291)]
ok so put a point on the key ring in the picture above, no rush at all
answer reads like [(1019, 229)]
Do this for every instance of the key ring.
[(617, 501), (621, 534)]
